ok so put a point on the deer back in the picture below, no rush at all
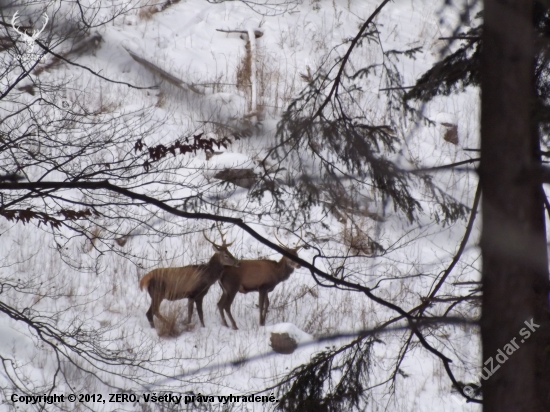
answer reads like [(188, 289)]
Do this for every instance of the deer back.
[(253, 274), (179, 282)]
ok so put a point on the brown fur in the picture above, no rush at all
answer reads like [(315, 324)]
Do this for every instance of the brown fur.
[(251, 276), (191, 282), (184, 278)]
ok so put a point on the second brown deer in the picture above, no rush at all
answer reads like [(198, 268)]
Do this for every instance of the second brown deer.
[(260, 275), (191, 282)]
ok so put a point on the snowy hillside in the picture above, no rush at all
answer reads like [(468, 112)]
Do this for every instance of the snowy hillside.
[(198, 55)]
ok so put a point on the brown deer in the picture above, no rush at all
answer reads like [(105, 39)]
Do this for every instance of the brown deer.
[(254, 276), (191, 282)]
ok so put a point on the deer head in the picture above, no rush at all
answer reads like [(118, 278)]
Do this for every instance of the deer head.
[(294, 250), (225, 257)]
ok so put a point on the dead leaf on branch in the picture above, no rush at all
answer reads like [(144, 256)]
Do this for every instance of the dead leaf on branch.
[(199, 143), (26, 215)]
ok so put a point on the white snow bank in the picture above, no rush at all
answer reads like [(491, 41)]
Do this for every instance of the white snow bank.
[(293, 331)]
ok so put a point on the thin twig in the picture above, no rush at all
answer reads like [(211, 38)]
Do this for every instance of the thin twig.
[(447, 166)]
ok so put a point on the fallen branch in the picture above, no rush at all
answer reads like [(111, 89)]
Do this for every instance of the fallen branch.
[(257, 32), (162, 73)]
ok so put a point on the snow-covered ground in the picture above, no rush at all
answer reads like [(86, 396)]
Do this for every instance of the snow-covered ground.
[(184, 41)]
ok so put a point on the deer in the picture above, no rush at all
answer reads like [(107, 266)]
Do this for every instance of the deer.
[(191, 282), (260, 275)]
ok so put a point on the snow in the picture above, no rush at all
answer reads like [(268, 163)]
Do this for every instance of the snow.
[(293, 331), (183, 41)]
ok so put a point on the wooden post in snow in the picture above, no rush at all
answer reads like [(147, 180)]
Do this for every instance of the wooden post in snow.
[(252, 40), (252, 34)]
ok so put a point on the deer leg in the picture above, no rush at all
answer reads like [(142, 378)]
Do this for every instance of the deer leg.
[(228, 303), (149, 315), (229, 293), (198, 301), (156, 291), (262, 300), (190, 309), (156, 311), (152, 309), (266, 304), (221, 306)]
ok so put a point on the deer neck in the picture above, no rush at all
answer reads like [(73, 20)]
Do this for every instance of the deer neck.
[(285, 268), (214, 266)]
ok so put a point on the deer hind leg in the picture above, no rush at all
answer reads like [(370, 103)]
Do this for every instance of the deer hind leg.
[(266, 305), (154, 310), (228, 303), (221, 305), (198, 301), (155, 305), (263, 296), (190, 303), (149, 315), (229, 293)]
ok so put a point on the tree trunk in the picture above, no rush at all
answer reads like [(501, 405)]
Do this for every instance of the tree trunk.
[(513, 242)]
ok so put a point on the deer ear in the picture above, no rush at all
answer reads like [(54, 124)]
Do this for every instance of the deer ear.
[(216, 248)]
